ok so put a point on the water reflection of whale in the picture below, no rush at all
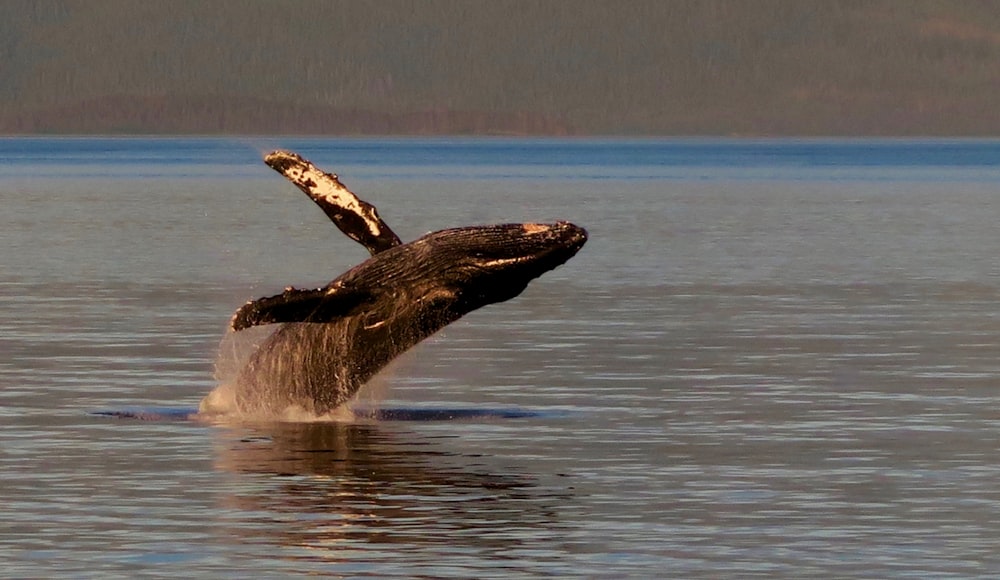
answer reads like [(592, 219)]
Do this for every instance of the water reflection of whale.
[(366, 492)]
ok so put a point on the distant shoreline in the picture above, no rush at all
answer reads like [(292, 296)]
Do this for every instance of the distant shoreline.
[(162, 115)]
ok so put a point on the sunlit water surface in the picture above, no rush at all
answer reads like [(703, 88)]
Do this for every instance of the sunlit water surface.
[(773, 358)]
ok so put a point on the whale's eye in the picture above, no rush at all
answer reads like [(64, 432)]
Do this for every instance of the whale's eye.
[(373, 320)]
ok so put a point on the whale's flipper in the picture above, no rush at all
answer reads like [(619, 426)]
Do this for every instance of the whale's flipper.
[(294, 305), (355, 217)]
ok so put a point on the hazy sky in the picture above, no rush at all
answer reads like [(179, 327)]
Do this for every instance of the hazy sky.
[(653, 67)]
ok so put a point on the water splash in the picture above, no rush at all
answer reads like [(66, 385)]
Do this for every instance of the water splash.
[(242, 396)]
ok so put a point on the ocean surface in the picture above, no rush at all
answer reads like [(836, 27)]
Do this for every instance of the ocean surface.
[(774, 358)]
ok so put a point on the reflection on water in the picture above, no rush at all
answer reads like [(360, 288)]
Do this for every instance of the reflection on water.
[(336, 488)]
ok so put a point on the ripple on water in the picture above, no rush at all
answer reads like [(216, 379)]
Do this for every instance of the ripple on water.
[(776, 378)]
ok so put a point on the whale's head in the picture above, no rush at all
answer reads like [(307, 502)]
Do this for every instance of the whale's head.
[(428, 282), (483, 265)]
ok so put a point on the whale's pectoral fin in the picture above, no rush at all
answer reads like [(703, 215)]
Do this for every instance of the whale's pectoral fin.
[(353, 215), (294, 305)]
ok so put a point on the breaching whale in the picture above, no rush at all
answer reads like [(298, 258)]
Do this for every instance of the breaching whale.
[(333, 339)]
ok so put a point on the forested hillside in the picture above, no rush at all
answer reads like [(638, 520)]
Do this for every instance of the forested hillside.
[(763, 67)]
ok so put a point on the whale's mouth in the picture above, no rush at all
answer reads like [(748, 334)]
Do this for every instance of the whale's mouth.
[(506, 247), (546, 246), (561, 236), (572, 236)]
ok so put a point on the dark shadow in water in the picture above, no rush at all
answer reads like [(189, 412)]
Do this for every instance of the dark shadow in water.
[(150, 413), (452, 414), (400, 414), (329, 490)]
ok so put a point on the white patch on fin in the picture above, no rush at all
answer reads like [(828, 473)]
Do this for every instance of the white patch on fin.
[(324, 186)]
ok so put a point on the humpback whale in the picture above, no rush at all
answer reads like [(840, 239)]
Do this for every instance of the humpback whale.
[(333, 339)]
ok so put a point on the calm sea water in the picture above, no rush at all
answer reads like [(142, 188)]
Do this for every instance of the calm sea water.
[(773, 358)]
